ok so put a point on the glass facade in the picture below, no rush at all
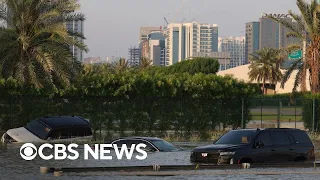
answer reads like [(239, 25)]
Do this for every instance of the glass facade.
[(175, 47), (76, 26)]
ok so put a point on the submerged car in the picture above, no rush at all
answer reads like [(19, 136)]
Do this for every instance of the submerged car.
[(257, 146), (153, 144), (53, 128)]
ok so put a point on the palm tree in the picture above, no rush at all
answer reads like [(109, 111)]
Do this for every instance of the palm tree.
[(145, 63), (34, 49), (265, 66), (299, 65), (121, 66), (93, 69), (307, 30)]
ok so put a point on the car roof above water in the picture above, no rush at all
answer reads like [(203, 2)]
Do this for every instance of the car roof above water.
[(63, 121), (256, 131), (139, 137), (270, 129)]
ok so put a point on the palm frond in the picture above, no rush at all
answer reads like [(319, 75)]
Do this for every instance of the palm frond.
[(296, 65), (36, 48), (297, 80)]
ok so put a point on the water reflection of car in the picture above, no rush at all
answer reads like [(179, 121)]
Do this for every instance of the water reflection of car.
[(153, 144), (257, 146), (53, 128)]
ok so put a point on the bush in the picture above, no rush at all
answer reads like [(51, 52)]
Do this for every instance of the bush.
[(137, 102), (307, 111), (202, 65)]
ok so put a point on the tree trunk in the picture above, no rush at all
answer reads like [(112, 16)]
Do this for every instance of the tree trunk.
[(304, 77), (314, 66)]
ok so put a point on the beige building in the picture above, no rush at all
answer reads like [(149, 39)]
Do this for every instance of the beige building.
[(241, 73), (145, 31), (145, 49)]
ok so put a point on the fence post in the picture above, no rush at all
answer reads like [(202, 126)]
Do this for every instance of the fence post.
[(313, 114), (295, 116), (242, 115), (278, 120), (261, 113)]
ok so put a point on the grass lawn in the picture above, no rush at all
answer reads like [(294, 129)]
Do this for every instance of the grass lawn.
[(275, 117)]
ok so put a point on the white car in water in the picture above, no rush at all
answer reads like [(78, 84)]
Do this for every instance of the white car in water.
[(53, 128)]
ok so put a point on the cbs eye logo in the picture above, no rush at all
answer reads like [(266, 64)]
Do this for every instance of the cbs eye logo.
[(28, 151)]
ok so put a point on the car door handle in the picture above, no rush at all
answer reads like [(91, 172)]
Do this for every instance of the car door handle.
[(291, 149), (273, 150)]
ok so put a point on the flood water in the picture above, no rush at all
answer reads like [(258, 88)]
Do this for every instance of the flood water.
[(12, 166)]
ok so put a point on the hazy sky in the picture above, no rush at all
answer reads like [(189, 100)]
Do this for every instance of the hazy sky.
[(112, 26)]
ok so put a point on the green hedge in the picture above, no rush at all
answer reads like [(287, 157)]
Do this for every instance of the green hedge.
[(184, 103), (307, 113), (203, 65)]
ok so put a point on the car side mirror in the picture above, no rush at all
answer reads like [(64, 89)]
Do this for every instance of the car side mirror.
[(259, 144)]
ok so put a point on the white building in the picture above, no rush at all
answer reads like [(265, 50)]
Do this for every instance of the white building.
[(76, 26), (184, 39), (236, 47)]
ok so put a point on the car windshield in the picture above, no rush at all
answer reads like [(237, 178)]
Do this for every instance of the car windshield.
[(38, 129), (236, 137), (163, 145)]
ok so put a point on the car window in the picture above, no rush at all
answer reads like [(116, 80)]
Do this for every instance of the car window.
[(280, 138), (301, 137), (119, 143), (265, 138), (237, 137), (70, 132), (81, 131), (38, 129), (149, 147), (163, 145), (136, 142), (61, 133)]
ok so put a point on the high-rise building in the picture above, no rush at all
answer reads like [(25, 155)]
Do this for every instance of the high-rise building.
[(224, 58), (134, 56), (145, 31), (267, 33), (154, 48), (185, 39), (273, 34), (236, 47), (252, 39), (77, 27)]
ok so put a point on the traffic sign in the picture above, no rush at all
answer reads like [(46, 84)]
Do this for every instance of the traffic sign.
[(295, 55)]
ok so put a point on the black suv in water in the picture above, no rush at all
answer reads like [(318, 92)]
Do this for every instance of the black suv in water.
[(257, 146)]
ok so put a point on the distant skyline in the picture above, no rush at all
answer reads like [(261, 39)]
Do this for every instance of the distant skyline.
[(112, 26)]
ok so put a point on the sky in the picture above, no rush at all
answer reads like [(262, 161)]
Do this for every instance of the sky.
[(112, 26)]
